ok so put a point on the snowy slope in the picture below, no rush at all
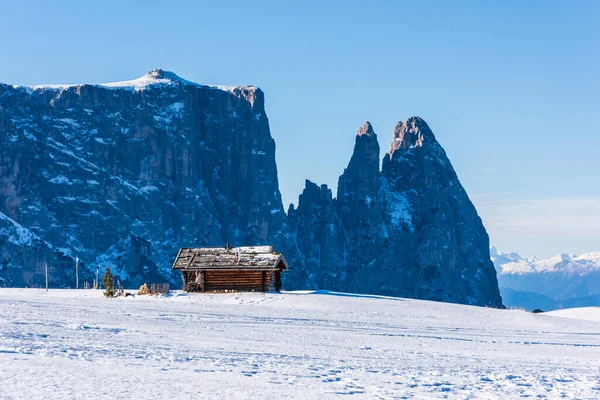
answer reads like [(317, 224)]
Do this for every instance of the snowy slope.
[(75, 344), (583, 313)]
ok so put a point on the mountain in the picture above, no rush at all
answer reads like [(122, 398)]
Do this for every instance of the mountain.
[(567, 279), (122, 174), (407, 230), (528, 300), (499, 258)]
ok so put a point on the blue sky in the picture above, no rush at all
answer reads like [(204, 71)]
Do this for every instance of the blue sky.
[(510, 88)]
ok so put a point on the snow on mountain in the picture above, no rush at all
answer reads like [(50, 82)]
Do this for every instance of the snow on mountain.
[(503, 258), (567, 279), (121, 175), (156, 77), (309, 345), (15, 232), (512, 263)]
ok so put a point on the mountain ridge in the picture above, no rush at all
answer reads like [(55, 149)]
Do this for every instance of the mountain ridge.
[(399, 230), (566, 279), (560, 262), (123, 174), (155, 77)]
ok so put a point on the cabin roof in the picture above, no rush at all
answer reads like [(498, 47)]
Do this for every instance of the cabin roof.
[(230, 258)]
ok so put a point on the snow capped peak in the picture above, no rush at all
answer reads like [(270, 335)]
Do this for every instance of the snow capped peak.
[(161, 75), (499, 258), (155, 78), (595, 256), (563, 257), (564, 262)]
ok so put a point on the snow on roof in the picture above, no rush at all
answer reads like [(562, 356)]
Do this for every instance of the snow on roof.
[(156, 77), (243, 257)]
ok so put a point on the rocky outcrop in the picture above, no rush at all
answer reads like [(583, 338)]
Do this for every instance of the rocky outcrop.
[(407, 230), (430, 212), (123, 174)]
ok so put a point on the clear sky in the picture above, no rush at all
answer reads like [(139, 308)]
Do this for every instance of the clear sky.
[(510, 88)]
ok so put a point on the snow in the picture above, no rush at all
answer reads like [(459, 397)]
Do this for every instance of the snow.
[(398, 206), (141, 83), (589, 257), (149, 189), (17, 234), (76, 344), (583, 313), (569, 263), (154, 78), (60, 180), (399, 209), (70, 121), (176, 107)]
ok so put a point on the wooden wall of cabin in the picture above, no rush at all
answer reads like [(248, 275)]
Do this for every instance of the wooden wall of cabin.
[(193, 281), (226, 280), (234, 280), (274, 281)]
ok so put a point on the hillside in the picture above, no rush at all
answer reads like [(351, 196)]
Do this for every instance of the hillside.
[(76, 344)]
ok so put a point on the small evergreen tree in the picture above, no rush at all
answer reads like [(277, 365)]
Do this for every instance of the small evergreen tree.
[(109, 283)]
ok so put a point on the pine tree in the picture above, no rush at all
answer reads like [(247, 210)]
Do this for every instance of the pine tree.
[(109, 283)]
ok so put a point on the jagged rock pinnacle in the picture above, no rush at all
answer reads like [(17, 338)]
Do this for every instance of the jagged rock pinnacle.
[(411, 134), (366, 129)]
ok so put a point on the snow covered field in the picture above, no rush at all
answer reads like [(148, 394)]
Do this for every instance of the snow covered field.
[(76, 344)]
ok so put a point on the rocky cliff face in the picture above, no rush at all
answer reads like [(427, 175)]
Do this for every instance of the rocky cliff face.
[(407, 230), (124, 174)]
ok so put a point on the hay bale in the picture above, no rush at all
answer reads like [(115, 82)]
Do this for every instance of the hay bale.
[(144, 289)]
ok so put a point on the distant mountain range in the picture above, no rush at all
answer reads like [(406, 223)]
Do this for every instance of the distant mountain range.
[(562, 281)]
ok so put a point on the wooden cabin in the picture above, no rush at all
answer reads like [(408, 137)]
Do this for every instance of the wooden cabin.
[(221, 269)]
